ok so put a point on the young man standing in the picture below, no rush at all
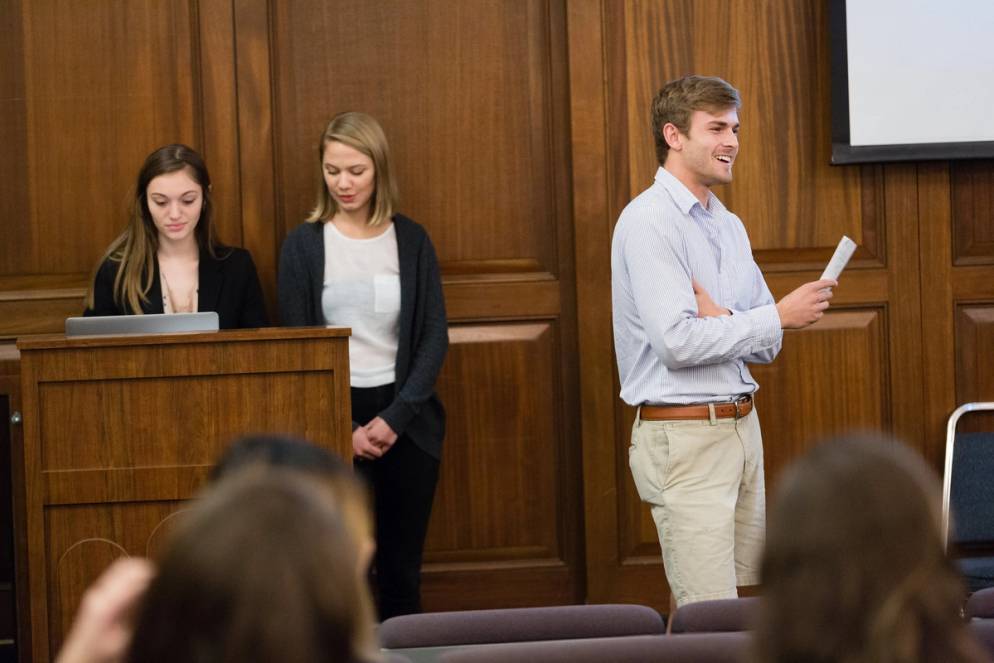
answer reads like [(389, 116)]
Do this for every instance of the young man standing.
[(690, 309)]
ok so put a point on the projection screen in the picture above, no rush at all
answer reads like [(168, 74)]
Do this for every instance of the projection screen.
[(911, 80)]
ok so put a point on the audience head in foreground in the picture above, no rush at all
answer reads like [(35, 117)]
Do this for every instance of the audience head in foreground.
[(351, 495), (262, 569), (854, 568)]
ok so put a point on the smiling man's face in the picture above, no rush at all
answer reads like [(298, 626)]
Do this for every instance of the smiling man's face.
[(704, 155)]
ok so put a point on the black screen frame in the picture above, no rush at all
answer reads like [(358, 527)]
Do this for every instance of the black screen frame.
[(843, 152)]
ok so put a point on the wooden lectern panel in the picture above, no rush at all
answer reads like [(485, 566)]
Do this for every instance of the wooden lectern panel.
[(159, 415), (119, 431), (83, 540)]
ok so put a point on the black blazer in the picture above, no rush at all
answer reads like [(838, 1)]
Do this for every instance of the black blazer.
[(228, 285)]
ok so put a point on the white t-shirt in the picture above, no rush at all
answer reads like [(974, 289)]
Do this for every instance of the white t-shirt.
[(362, 291)]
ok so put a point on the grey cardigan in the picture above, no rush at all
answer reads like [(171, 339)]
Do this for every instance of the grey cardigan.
[(424, 331)]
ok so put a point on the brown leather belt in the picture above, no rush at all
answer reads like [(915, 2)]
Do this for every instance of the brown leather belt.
[(734, 410)]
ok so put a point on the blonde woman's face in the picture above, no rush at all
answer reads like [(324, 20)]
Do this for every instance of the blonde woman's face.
[(350, 177)]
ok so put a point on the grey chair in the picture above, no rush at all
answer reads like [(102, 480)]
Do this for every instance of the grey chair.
[(393, 657), (690, 648), (440, 629), (981, 604), (983, 631), (968, 493), (724, 615)]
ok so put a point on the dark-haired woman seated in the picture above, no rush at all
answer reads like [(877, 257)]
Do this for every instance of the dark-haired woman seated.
[(168, 259)]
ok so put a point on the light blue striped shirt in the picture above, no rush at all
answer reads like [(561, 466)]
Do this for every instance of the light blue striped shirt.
[(666, 354)]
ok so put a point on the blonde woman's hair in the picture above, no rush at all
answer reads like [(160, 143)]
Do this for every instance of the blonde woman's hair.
[(363, 133), (134, 249)]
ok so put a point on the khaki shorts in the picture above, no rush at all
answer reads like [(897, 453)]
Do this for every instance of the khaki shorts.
[(704, 484)]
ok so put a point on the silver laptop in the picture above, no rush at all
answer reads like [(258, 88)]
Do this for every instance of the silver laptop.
[(153, 323)]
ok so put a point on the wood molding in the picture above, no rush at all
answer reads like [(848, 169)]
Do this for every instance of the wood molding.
[(904, 313), (218, 61), (502, 507), (15, 168), (509, 513), (937, 280), (974, 348), (256, 137), (871, 251), (38, 311), (972, 200), (504, 301), (592, 234)]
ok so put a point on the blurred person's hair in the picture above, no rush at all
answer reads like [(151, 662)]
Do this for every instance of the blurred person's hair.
[(261, 451), (854, 569), (263, 569), (281, 451)]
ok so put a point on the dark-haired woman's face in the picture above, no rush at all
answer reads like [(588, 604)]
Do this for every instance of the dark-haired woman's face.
[(175, 201)]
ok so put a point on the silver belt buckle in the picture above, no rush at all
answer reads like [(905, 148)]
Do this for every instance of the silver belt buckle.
[(741, 402)]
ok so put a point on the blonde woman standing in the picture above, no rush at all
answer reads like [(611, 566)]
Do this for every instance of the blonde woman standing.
[(355, 262)]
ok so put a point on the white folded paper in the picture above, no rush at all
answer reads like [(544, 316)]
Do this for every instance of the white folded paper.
[(843, 252)]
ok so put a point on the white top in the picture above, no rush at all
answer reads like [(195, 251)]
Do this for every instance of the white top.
[(362, 291)]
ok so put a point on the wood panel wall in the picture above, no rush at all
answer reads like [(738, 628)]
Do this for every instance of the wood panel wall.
[(473, 98), (519, 131)]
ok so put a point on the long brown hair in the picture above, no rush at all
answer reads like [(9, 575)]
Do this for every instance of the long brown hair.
[(263, 569), (264, 451), (854, 569), (134, 249)]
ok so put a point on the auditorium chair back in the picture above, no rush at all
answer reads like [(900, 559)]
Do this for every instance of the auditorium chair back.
[(981, 604), (691, 648), (983, 630), (439, 629), (725, 615)]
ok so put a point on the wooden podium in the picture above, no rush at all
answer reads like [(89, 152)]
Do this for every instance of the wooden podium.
[(120, 430)]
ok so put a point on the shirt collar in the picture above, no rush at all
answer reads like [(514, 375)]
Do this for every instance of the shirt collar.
[(682, 196)]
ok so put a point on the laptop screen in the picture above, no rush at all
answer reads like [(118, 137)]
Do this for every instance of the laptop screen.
[(153, 323)]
